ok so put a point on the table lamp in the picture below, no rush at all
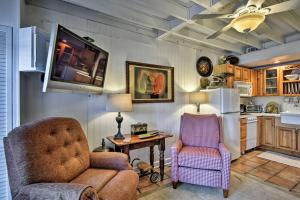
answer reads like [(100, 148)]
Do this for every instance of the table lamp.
[(119, 103), (198, 98)]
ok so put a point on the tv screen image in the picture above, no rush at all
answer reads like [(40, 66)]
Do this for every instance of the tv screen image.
[(76, 61)]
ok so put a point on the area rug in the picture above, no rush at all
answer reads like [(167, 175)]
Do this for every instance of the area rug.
[(242, 188), (281, 158)]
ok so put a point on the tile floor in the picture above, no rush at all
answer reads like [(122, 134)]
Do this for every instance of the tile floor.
[(270, 172)]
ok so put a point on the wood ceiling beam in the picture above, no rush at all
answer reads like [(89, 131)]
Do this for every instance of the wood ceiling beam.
[(124, 13), (269, 32), (215, 7), (199, 8), (201, 38), (92, 15), (290, 19), (167, 7)]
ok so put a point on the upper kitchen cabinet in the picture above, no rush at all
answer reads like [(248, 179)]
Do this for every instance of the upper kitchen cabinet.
[(238, 73), (246, 74), (225, 68), (254, 80), (230, 69), (271, 81), (259, 82), (290, 82)]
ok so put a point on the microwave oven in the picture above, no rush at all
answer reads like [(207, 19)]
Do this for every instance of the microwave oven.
[(244, 88)]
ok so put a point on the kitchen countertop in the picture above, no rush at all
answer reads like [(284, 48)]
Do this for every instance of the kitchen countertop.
[(260, 114)]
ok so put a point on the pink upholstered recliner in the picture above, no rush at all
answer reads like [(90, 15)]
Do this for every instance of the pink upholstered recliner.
[(199, 156)]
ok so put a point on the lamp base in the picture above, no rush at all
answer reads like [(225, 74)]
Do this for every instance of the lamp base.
[(119, 135)]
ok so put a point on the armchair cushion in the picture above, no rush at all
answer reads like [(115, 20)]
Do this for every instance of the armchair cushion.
[(121, 187), (200, 158), (200, 130), (51, 150), (109, 160), (53, 191), (97, 178)]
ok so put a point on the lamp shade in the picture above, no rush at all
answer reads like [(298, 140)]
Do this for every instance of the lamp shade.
[(119, 103), (198, 97)]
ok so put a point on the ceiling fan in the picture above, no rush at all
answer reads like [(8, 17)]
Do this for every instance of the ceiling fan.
[(248, 17)]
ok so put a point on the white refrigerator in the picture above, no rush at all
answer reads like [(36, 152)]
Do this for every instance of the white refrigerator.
[(225, 102)]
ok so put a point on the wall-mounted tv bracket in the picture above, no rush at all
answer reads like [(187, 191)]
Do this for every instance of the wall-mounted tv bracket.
[(42, 77), (91, 40)]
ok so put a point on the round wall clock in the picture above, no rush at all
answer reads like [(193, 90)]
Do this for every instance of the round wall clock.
[(204, 66)]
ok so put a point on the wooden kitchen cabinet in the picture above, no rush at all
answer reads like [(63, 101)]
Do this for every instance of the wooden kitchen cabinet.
[(254, 82), (268, 131), (225, 68), (271, 81), (259, 82), (298, 140), (259, 131), (246, 75), (230, 69), (238, 71), (243, 131), (286, 138)]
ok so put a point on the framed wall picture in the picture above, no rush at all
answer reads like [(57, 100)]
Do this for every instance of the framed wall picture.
[(149, 83)]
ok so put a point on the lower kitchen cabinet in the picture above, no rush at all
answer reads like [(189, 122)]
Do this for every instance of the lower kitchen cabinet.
[(268, 131), (243, 130), (259, 131), (298, 140), (286, 138)]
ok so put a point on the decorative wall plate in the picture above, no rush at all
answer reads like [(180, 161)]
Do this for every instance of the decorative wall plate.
[(204, 66)]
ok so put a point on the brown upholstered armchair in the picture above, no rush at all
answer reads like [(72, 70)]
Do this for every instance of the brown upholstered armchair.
[(50, 159)]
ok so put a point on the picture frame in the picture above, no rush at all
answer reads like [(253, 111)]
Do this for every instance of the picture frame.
[(148, 83)]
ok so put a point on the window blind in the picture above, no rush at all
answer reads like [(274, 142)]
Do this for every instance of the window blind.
[(5, 67)]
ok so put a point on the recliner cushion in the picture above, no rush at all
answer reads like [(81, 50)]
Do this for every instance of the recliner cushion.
[(121, 187), (200, 130), (97, 178), (200, 158), (49, 150)]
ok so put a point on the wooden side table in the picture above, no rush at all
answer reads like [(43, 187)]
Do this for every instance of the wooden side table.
[(136, 143)]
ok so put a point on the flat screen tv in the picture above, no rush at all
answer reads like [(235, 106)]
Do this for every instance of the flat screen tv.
[(74, 64)]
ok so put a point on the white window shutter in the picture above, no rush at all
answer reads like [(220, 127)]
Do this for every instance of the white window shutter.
[(5, 100)]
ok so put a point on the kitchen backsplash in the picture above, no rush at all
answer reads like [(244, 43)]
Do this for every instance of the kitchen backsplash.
[(286, 103)]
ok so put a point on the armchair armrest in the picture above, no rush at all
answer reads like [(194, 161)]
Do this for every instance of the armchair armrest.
[(110, 160), (225, 153), (226, 159), (57, 191), (175, 149)]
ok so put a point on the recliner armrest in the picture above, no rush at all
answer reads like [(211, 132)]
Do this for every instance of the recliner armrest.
[(176, 147), (110, 160), (57, 191), (225, 153)]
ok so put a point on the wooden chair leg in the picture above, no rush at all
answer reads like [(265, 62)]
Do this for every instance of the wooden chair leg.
[(174, 183), (225, 193)]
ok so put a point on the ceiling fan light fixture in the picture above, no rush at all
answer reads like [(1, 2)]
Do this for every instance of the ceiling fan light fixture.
[(248, 22)]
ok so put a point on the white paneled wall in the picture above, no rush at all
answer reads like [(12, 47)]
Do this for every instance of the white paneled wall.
[(122, 45)]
